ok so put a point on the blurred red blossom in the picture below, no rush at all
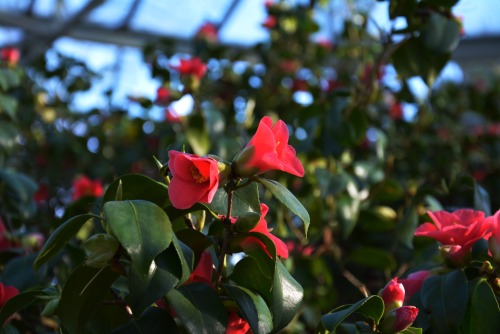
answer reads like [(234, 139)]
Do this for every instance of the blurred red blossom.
[(163, 96), (270, 22), (193, 66), (83, 186), (10, 55), (194, 179), (171, 116), (208, 32)]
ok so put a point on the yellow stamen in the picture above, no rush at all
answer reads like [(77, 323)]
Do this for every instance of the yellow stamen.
[(197, 175)]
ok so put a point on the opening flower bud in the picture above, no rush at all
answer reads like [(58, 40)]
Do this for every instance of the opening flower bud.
[(393, 295), (398, 320)]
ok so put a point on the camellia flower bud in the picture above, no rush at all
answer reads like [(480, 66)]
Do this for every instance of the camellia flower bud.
[(398, 320), (393, 295)]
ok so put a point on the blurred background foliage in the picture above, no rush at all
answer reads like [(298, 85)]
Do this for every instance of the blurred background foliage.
[(372, 167)]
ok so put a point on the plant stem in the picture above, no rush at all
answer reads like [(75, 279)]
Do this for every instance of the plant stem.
[(225, 239)]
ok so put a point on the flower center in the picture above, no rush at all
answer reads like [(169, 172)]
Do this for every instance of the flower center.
[(197, 175)]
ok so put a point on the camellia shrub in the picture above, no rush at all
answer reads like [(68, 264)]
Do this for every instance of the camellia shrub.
[(297, 196)]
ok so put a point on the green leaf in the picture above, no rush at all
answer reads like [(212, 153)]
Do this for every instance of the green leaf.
[(154, 320), (373, 257), (21, 301), (481, 199), (195, 240), (9, 78), (8, 134), (199, 308), (245, 200), (142, 228), (253, 307), (60, 237), (406, 228), (163, 275), (483, 315), (288, 199), (445, 298), (347, 213), (140, 187), (197, 134), (8, 105), (412, 330), (186, 257), (287, 297), (82, 295), (255, 272), (371, 307)]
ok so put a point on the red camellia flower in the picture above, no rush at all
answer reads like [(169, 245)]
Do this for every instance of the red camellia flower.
[(413, 282), (457, 231), (193, 66), (6, 293), (236, 324), (261, 227), (83, 186), (203, 271), (494, 239), (10, 55), (194, 179), (267, 150), (393, 295)]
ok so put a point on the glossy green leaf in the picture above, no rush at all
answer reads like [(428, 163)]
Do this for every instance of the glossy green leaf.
[(142, 228), (288, 199), (138, 187), (247, 222), (60, 237), (255, 272), (412, 330), (21, 301), (483, 314), (287, 296), (445, 297), (371, 307), (253, 308), (186, 258), (154, 320), (245, 200), (163, 275), (82, 295), (199, 308)]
